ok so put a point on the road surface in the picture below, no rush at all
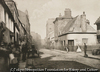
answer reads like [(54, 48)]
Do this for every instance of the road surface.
[(57, 59)]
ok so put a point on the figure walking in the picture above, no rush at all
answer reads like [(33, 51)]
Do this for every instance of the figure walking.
[(24, 52), (85, 50), (66, 47), (78, 49), (13, 57)]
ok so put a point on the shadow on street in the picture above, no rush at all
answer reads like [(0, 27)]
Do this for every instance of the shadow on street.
[(46, 63), (93, 58)]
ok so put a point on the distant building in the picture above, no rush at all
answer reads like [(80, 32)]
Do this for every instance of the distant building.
[(50, 32), (36, 39), (59, 23), (98, 29), (76, 31)]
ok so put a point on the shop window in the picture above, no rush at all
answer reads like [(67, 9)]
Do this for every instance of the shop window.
[(99, 40)]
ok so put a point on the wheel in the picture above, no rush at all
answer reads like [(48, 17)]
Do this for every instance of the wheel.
[(98, 52), (95, 52)]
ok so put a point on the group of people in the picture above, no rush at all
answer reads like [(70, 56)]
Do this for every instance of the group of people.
[(15, 53), (79, 49)]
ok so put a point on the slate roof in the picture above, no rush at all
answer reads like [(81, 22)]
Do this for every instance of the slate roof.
[(23, 17), (69, 24), (97, 21), (74, 25)]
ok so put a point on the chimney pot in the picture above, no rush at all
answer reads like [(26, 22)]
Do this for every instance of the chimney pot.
[(59, 14), (83, 13), (68, 13)]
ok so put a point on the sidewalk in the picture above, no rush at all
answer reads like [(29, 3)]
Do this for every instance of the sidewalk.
[(91, 60)]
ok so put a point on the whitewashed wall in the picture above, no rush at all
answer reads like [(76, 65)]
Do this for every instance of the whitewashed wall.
[(78, 38)]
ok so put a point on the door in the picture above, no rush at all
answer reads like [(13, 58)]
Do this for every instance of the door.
[(71, 45)]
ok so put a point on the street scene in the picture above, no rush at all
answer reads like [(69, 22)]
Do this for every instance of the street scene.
[(49, 36)]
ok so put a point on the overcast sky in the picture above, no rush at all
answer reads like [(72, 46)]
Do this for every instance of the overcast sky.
[(40, 10)]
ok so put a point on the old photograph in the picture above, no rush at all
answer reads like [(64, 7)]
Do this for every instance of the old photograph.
[(49, 35)]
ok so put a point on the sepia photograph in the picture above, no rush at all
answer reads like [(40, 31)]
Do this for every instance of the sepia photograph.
[(49, 35)]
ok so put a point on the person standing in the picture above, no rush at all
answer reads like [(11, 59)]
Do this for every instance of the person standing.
[(66, 47), (13, 57), (24, 52), (78, 49), (4, 65), (85, 50)]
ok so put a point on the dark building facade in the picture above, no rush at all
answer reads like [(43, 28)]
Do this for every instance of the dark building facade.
[(24, 18), (7, 21), (98, 29), (13, 8)]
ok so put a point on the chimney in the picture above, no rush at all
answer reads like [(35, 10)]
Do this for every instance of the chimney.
[(68, 13), (59, 14), (83, 22)]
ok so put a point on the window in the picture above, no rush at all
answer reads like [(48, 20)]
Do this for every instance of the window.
[(98, 38), (64, 42), (99, 41), (5, 15), (98, 27), (84, 40)]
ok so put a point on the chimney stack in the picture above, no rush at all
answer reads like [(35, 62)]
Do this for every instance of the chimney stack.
[(68, 13), (59, 14), (83, 22)]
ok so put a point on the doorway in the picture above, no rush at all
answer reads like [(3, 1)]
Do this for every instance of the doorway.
[(71, 45)]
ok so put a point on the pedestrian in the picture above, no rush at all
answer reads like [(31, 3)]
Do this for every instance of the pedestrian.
[(13, 58), (24, 52), (4, 67), (85, 50), (78, 49), (66, 47), (17, 52)]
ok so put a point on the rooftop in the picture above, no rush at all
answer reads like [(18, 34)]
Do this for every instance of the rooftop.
[(97, 21), (75, 26), (23, 17)]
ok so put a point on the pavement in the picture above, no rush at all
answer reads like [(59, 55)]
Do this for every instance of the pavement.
[(91, 60), (60, 59)]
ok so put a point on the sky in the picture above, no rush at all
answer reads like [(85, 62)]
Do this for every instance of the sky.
[(41, 10)]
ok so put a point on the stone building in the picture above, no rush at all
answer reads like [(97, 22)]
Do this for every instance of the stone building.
[(72, 31), (59, 23), (77, 32), (7, 20), (50, 32)]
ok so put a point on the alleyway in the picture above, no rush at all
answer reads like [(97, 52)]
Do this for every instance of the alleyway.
[(51, 59)]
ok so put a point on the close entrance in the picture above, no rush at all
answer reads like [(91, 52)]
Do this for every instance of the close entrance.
[(71, 45)]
